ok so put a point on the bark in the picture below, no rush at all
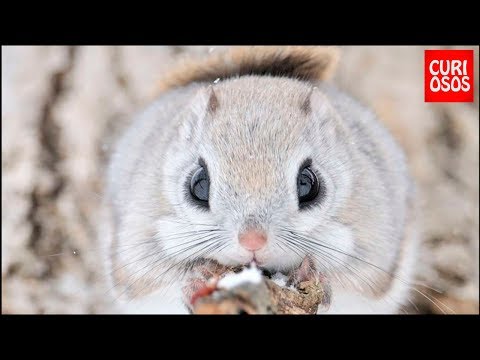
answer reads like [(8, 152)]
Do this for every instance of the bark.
[(304, 291), (266, 298)]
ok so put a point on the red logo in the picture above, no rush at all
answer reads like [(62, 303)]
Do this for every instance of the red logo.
[(448, 75)]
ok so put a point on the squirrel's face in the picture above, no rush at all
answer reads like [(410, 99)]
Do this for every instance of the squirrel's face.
[(257, 175)]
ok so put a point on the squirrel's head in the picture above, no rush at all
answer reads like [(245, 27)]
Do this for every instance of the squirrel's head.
[(261, 166), (257, 172)]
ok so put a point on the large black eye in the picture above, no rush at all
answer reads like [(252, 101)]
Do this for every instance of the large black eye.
[(308, 186), (200, 186)]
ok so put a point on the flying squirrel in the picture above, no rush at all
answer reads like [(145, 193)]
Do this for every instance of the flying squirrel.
[(250, 154)]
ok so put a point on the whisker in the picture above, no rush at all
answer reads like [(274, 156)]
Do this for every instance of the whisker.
[(361, 275), (152, 254), (128, 245), (156, 260), (165, 289), (405, 282), (362, 260), (154, 264), (308, 248), (205, 249)]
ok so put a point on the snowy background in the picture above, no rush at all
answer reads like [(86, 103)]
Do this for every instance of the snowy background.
[(63, 106)]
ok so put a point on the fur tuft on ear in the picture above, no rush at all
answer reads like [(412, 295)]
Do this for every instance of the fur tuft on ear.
[(203, 103), (299, 62), (306, 105), (212, 101), (316, 102)]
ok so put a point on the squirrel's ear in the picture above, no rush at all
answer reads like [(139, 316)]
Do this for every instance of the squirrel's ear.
[(212, 100), (203, 103), (315, 102), (318, 106)]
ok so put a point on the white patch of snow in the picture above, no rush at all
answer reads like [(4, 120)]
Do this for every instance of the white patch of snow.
[(247, 275), (280, 279)]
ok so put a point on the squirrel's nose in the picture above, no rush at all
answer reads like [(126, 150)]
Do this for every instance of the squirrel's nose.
[(252, 240)]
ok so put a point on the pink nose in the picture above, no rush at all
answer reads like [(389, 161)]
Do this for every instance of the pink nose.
[(252, 240)]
